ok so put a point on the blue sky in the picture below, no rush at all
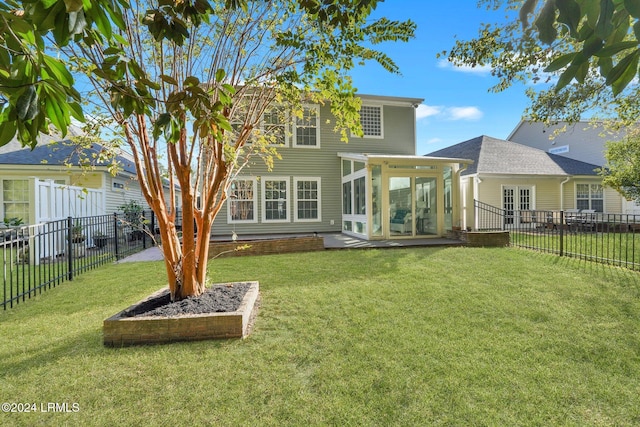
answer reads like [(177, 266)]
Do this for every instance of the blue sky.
[(457, 104)]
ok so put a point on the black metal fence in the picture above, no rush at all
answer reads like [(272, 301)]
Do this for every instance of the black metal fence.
[(595, 236), (38, 257)]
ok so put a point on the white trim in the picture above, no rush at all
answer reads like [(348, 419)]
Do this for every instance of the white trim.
[(591, 199), (263, 184), (381, 109), (318, 180), (294, 143), (230, 220), (286, 120)]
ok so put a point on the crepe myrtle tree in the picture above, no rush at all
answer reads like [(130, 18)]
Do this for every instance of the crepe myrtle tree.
[(584, 55), (189, 82)]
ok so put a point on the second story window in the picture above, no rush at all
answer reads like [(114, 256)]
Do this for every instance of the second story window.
[(371, 121), (307, 128), (274, 126)]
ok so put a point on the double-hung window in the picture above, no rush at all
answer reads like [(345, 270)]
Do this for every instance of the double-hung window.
[(241, 200), (590, 196), (274, 126), (15, 199), (306, 131), (275, 199), (307, 199)]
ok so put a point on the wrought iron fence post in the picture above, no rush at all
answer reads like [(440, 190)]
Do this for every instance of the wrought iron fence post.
[(561, 233), (69, 248), (115, 235)]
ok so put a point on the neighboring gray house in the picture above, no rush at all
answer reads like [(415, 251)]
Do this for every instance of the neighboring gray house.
[(583, 141), (373, 187), (516, 177)]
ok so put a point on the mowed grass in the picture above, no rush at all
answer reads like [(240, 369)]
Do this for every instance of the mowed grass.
[(400, 337)]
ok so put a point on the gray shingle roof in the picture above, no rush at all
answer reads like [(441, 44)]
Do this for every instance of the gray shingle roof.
[(497, 156), (55, 154)]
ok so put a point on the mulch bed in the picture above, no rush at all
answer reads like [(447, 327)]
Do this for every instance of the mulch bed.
[(216, 299)]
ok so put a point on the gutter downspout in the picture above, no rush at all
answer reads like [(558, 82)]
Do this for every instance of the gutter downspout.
[(462, 212), (562, 192), (476, 184)]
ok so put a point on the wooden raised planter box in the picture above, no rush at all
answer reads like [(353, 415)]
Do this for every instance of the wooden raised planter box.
[(120, 330)]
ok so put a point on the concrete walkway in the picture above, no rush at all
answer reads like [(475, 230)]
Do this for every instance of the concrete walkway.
[(331, 241)]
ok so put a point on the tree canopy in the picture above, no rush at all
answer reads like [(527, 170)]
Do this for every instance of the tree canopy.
[(190, 80), (587, 52), (580, 57)]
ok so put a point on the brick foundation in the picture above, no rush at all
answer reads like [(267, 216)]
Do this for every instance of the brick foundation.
[(487, 238), (266, 246)]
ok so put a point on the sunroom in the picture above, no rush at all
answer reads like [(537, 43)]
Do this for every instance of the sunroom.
[(400, 196)]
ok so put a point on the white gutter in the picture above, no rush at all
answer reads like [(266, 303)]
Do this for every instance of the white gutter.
[(562, 192)]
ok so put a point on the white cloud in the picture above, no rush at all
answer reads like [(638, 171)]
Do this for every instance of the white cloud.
[(464, 113), (427, 111), (434, 141), (482, 70), (448, 113)]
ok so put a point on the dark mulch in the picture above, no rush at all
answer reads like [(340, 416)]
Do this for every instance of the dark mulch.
[(216, 299)]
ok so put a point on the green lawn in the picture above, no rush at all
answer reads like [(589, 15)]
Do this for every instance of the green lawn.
[(622, 249), (399, 337)]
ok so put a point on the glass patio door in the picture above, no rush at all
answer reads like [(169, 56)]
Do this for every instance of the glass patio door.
[(426, 206), (400, 206), (413, 206)]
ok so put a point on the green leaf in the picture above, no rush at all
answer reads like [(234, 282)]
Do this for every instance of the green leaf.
[(606, 65), (570, 72), (592, 46), (604, 27), (545, 23), (58, 70), (191, 81), (7, 131), (633, 7), (569, 14), (624, 71), (220, 73), (560, 62), (615, 48), (168, 79), (590, 9)]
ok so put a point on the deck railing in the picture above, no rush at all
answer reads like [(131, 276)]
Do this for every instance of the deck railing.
[(595, 236)]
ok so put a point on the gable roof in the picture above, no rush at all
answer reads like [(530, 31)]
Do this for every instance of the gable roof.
[(56, 154), (497, 156)]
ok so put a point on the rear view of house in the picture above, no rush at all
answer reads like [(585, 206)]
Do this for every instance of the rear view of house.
[(372, 187)]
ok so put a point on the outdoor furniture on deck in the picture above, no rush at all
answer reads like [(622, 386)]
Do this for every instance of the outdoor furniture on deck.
[(582, 220)]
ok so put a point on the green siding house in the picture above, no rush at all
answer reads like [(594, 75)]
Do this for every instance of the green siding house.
[(374, 187)]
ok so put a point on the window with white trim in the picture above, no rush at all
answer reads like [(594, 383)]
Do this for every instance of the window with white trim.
[(371, 121), (275, 199), (590, 196), (274, 126), (241, 200), (15, 199), (306, 132), (307, 199)]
